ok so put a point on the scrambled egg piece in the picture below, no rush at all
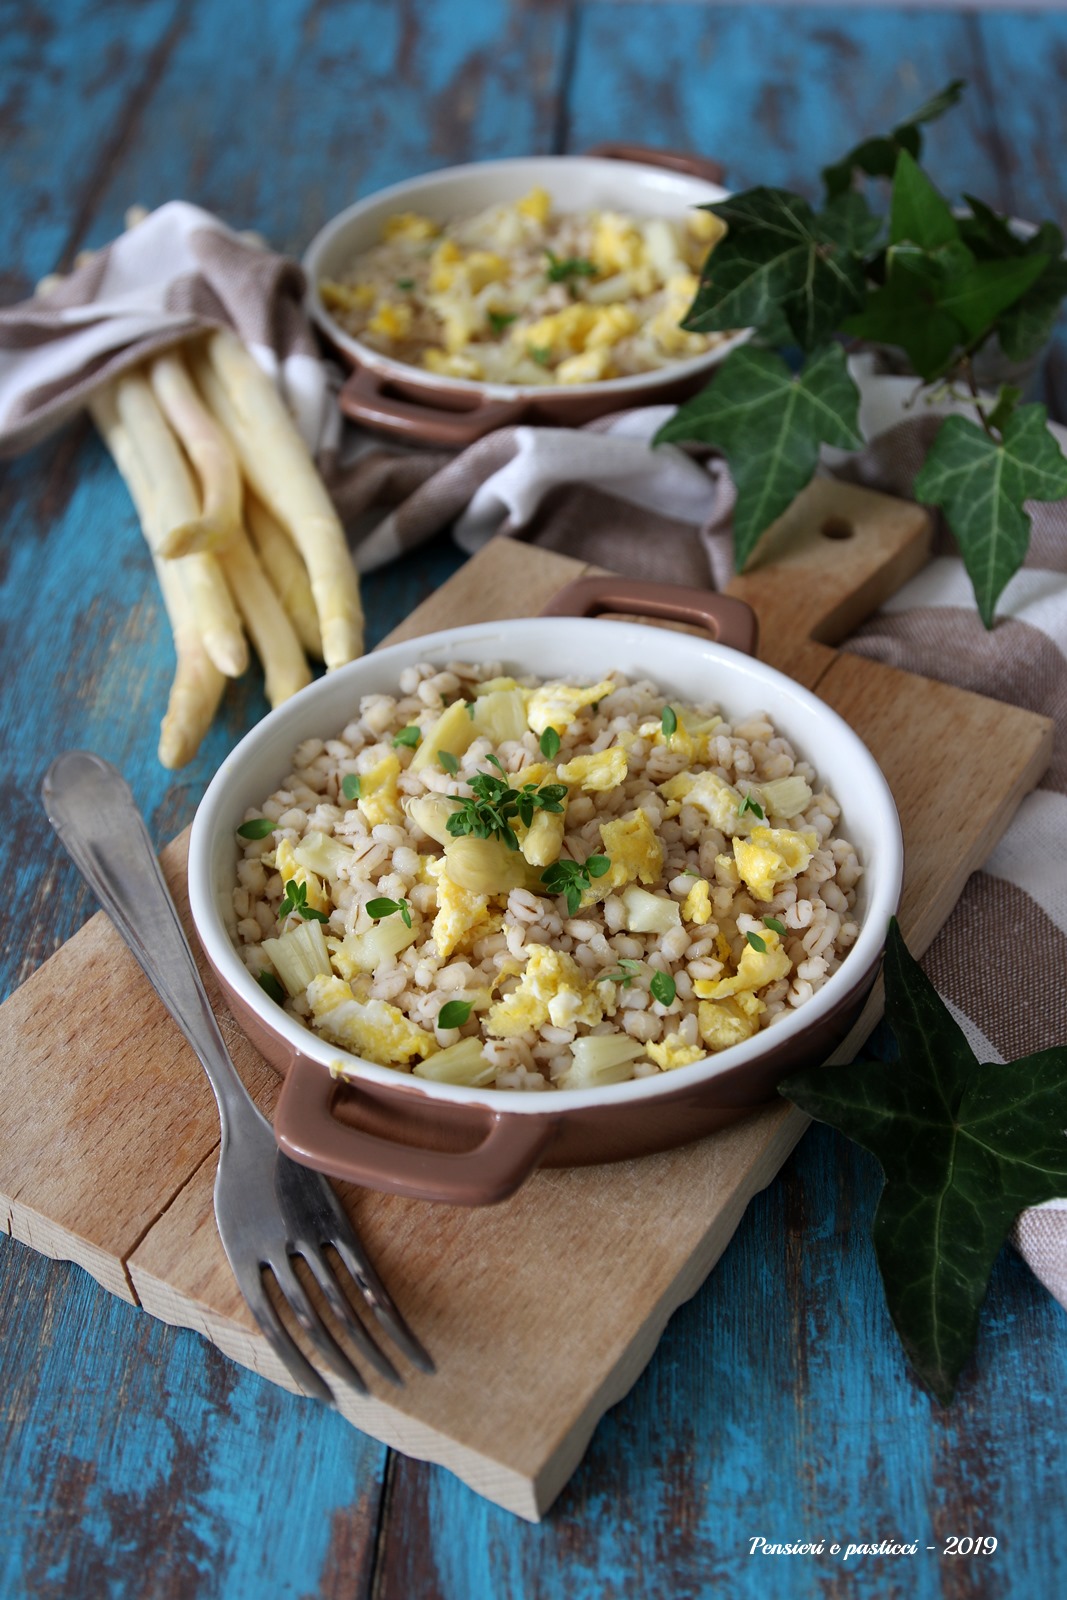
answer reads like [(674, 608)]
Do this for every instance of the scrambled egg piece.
[(443, 264), (680, 742), (451, 366), (723, 1023), (410, 225), (537, 204), (392, 320), (289, 868), (379, 800), (588, 367), (697, 905), (612, 324), (482, 267), (772, 855), (664, 326), (552, 989), (631, 846), (604, 770), (755, 970), (708, 791), (347, 296), (674, 1052), (370, 1028), (617, 245), (556, 705), (458, 910), (705, 226)]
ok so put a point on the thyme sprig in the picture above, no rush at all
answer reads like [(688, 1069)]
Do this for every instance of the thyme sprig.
[(493, 804)]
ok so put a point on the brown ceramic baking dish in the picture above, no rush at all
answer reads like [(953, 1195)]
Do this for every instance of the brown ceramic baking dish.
[(394, 397), (388, 1130)]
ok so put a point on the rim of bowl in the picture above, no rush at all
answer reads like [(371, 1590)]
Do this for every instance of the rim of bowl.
[(389, 366), (288, 724)]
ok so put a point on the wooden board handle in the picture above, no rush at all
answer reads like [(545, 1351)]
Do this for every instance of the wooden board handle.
[(646, 155), (307, 1130)]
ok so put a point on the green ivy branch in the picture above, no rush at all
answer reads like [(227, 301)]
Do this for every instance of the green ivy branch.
[(938, 285)]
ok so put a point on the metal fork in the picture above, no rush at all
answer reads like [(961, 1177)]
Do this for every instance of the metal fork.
[(268, 1208)]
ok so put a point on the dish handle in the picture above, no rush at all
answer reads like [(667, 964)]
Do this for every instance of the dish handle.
[(307, 1130), (692, 166), (367, 397), (730, 622)]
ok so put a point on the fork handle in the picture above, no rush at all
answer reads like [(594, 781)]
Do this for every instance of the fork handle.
[(90, 806)]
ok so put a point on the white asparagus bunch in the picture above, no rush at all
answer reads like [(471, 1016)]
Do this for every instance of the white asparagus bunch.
[(242, 533), (276, 462), (240, 528)]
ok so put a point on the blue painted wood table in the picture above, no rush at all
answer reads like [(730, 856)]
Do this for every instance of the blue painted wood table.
[(136, 1461)]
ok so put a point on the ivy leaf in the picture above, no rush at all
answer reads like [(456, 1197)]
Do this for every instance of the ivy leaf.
[(769, 425), (981, 483), (918, 212), (775, 258), (1027, 324), (964, 1147), (850, 222), (878, 157)]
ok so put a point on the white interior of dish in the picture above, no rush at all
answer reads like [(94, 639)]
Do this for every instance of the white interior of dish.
[(684, 667), (575, 183)]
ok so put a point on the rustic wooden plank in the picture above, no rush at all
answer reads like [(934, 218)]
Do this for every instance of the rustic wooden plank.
[(51, 162), (139, 1462), (776, 94)]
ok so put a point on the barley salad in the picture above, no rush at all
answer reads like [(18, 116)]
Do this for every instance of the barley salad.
[(524, 294), (542, 885)]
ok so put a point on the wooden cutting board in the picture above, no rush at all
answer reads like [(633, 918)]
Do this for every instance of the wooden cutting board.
[(540, 1312)]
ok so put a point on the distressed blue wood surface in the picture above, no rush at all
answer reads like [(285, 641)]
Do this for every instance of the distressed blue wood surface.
[(134, 1460)]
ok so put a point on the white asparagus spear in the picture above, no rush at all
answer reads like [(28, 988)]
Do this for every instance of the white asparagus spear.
[(276, 463), (285, 569), (198, 684), (285, 668), (169, 501), (211, 454), (176, 505)]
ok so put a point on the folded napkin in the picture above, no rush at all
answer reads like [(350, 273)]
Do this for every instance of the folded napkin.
[(177, 273), (602, 495)]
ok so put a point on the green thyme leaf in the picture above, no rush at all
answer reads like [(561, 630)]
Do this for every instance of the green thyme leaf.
[(757, 943), (624, 974), (541, 353), (470, 709), (562, 270), (748, 804), (409, 736), (668, 721), (448, 761), (663, 988), (549, 744), (981, 485), (295, 899), (572, 878), (350, 786), (454, 1013), (384, 907), (776, 926), (270, 985), (499, 320), (256, 828), (965, 1147), (770, 423), (405, 283)]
